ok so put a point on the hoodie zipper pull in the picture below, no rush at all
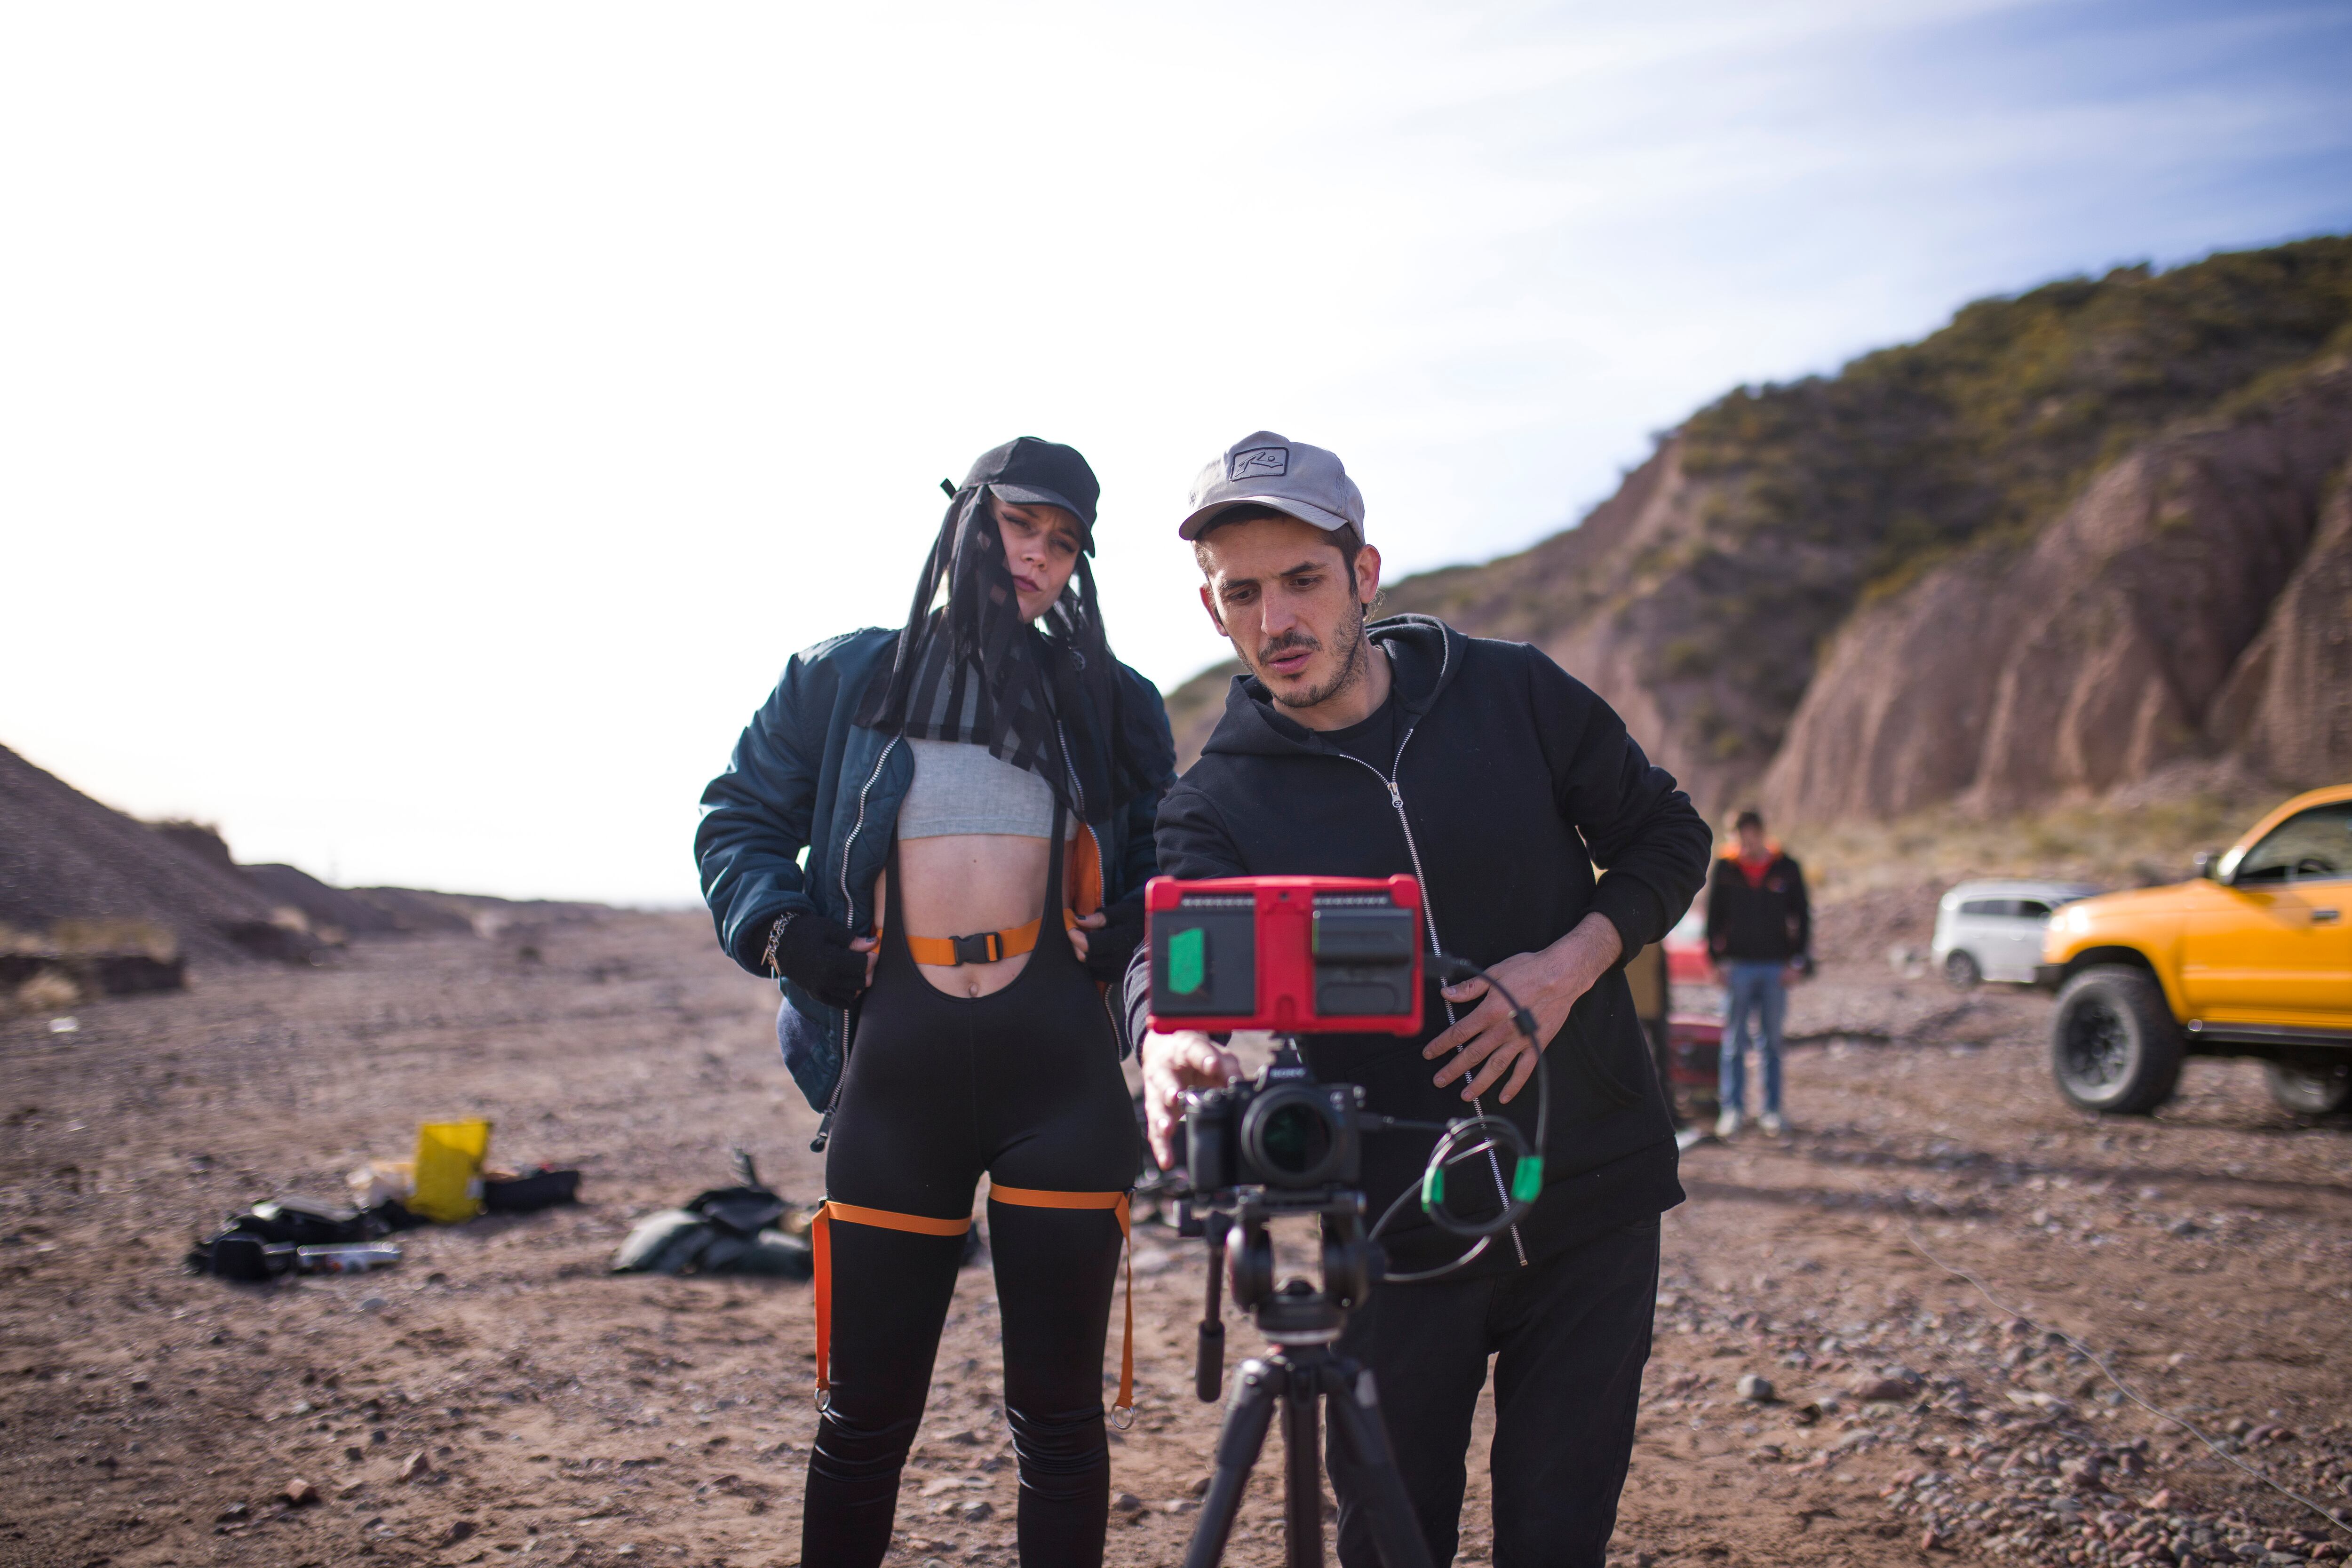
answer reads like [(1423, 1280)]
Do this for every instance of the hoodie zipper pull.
[(1396, 798)]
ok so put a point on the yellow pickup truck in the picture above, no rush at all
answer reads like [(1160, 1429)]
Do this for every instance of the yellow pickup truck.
[(2252, 958)]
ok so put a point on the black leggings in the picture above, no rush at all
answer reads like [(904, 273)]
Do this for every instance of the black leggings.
[(1023, 1084)]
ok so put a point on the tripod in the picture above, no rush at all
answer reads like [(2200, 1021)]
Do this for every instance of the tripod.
[(1300, 1323)]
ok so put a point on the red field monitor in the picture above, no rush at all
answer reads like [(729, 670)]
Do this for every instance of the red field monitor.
[(1294, 954)]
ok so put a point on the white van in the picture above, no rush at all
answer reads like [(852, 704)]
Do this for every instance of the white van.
[(1992, 930)]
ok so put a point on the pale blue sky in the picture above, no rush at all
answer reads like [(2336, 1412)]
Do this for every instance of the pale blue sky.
[(425, 432)]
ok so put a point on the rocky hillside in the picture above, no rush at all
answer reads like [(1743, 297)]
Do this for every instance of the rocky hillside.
[(70, 865), (66, 857), (2077, 541)]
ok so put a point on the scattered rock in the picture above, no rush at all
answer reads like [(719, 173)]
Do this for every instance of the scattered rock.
[(2084, 1474), (1756, 1387), (1804, 1414), (1200, 1487), (420, 1463), (1880, 1390), (976, 1510), (1128, 1502), (459, 1530), (300, 1493), (2162, 1502), (234, 1510)]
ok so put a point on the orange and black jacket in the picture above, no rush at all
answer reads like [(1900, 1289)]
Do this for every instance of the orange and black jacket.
[(1766, 921)]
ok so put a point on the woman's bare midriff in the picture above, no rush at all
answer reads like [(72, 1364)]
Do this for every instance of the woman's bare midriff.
[(965, 883)]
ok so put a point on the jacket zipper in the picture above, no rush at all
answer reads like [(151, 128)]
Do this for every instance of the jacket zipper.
[(849, 907), (1428, 913)]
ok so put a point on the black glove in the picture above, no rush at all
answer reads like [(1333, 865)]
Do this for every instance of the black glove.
[(814, 953), (1109, 950)]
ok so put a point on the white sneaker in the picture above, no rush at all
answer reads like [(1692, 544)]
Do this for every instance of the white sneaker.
[(1726, 1124), (1772, 1123)]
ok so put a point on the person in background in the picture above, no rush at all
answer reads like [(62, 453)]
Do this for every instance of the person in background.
[(1759, 932)]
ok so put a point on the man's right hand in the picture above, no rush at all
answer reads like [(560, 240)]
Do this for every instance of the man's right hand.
[(1172, 1064)]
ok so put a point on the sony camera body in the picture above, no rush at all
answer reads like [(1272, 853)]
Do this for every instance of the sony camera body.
[(1291, 954), (1282, 1131)]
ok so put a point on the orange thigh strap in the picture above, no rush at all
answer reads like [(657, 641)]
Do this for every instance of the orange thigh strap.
[(1044, 1198), (821, 1251), (820, 1247)]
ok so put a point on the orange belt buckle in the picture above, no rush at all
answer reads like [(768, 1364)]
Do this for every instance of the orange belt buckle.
[(981, 947)]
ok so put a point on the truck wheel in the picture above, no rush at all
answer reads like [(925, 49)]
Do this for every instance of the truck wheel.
[(1960, 969), (2311, 1086), (2113, 1046)]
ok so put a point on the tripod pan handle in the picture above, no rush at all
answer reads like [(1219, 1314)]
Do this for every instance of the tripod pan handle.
[(1209, 1362)]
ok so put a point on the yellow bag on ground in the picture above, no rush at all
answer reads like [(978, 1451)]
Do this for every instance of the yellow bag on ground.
[(449, 1157)]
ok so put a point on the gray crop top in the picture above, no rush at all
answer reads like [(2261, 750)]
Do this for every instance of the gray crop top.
[(964, 788)]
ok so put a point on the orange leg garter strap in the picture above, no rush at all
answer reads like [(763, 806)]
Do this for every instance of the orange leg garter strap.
[(821, 1245)]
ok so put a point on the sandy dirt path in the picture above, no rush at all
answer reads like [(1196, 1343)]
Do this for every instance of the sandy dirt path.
[(570, 1417)]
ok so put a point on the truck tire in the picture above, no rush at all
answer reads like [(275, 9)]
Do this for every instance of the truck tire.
[(2113, 1046), (2311, 1086), (1961, 971)]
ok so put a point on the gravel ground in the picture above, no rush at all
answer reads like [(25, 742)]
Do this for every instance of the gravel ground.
[(566, 1416)]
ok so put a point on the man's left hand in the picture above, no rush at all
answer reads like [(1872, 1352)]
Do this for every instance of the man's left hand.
[(1546, 983)]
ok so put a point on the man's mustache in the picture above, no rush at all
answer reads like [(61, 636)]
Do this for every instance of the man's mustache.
[(1304, 642)]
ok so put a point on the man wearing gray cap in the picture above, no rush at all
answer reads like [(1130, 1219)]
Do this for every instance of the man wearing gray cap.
[(1368, 749)]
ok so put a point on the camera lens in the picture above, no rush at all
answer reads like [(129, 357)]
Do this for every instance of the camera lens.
[(1294, 1139), (1290, 1136)]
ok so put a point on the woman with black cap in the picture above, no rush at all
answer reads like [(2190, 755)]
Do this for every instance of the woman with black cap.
[(974, 797)]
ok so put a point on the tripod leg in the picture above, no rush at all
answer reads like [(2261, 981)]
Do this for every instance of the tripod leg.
[(1356, 1412), (1238, 1443), (1302, 1473)]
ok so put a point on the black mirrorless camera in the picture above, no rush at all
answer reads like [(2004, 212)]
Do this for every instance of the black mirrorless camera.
[(1293, 955), (1283, 1131)]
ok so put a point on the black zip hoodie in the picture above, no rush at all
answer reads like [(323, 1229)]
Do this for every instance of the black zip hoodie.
[(1512, 780)]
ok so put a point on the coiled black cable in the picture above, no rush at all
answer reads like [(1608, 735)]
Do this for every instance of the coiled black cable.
[(1472, 1136)]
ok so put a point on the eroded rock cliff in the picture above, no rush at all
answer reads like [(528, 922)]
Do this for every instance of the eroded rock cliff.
[(2073, 539)]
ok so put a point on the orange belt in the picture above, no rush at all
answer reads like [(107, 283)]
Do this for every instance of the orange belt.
[(983, 947), (821, 1245)]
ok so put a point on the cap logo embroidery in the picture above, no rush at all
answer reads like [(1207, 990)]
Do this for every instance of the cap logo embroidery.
[(1261, 463)]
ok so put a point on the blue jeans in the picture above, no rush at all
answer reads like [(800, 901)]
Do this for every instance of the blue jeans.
[(1757, 993)]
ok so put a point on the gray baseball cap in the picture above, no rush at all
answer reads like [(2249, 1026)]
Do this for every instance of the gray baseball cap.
[(1265, 470)]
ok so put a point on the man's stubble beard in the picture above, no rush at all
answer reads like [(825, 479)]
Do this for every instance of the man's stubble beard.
[(1340, 684)]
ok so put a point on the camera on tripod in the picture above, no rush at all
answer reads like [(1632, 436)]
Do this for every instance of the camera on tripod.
[(1284, 1131), (1292, 955)]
